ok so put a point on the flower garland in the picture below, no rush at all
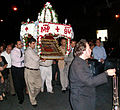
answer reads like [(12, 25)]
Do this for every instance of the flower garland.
[(48, 14), (25, 39), (25, 23), (67, 47), (38, 41)]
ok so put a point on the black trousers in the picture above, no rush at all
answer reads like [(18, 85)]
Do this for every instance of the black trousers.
[(54, 70), (18, 81)]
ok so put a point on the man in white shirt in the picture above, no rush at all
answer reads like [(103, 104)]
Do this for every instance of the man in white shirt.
[(17, 60), (7, 56), (46, 75)]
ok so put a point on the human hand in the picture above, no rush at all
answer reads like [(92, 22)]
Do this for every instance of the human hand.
[(2, 79), (102, 60), (91, 57), (62, 58), (43, 60), (1, 68), (111, 72)]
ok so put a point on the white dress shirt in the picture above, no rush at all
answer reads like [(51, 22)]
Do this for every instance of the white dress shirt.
[(16, 59), (7, 57)]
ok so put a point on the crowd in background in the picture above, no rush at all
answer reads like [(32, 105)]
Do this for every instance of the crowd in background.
[(52, 71)]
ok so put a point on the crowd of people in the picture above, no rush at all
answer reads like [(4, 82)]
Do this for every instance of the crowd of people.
[(25, 70), (21, 70)]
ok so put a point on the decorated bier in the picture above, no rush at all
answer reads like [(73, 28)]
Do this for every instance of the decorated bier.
[(46, 30)]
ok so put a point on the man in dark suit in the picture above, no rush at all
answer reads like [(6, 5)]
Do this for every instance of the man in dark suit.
[(82, 81)]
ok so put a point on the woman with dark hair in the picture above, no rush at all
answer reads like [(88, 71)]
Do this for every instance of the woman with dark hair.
[(4, 76), (1, 84)]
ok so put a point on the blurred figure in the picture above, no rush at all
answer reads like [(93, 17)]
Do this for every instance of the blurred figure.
[(55, 72), (1, 86), (17, 60), (1, 48), (101, 42), (46, 75), (72, 45), (7, 56), (99, 54), (92, 45), (61, 63), (4, 87), (68, 59), (32, 72), (12, 44)]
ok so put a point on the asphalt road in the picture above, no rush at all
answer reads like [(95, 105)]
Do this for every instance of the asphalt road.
[(59, 101)]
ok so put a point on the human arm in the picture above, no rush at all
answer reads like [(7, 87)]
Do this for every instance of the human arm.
[(83, 75), (104, 54), (2, 79)]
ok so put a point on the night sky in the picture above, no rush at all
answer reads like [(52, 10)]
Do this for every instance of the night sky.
[(85, 16)]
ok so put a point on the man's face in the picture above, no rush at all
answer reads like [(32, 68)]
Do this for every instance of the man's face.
[(87, 52), (98, 43), (63, 42), (32, 45), (19, 44), (8, 49), (1, 48), (73, 43)]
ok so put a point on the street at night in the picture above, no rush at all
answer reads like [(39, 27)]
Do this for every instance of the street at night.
[(60, 101), (59, 54)]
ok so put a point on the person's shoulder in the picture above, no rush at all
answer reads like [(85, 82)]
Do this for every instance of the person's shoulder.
[(102, 47), (78, 63), (29, 50), (95, 47), (14, 49), (78, 60), (3, 53)]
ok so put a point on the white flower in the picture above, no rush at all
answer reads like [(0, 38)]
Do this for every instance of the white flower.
[(48, 5), (48, 16), (54, 17)]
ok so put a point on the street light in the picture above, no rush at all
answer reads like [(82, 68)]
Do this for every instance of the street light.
[(117, 16), (14, 8), (1, 20)]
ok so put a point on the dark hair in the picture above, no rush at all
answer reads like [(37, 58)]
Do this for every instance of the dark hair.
[(73, 40), (62, 39), (98, 39), (30, 40), (16, 41), (80, 47)]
